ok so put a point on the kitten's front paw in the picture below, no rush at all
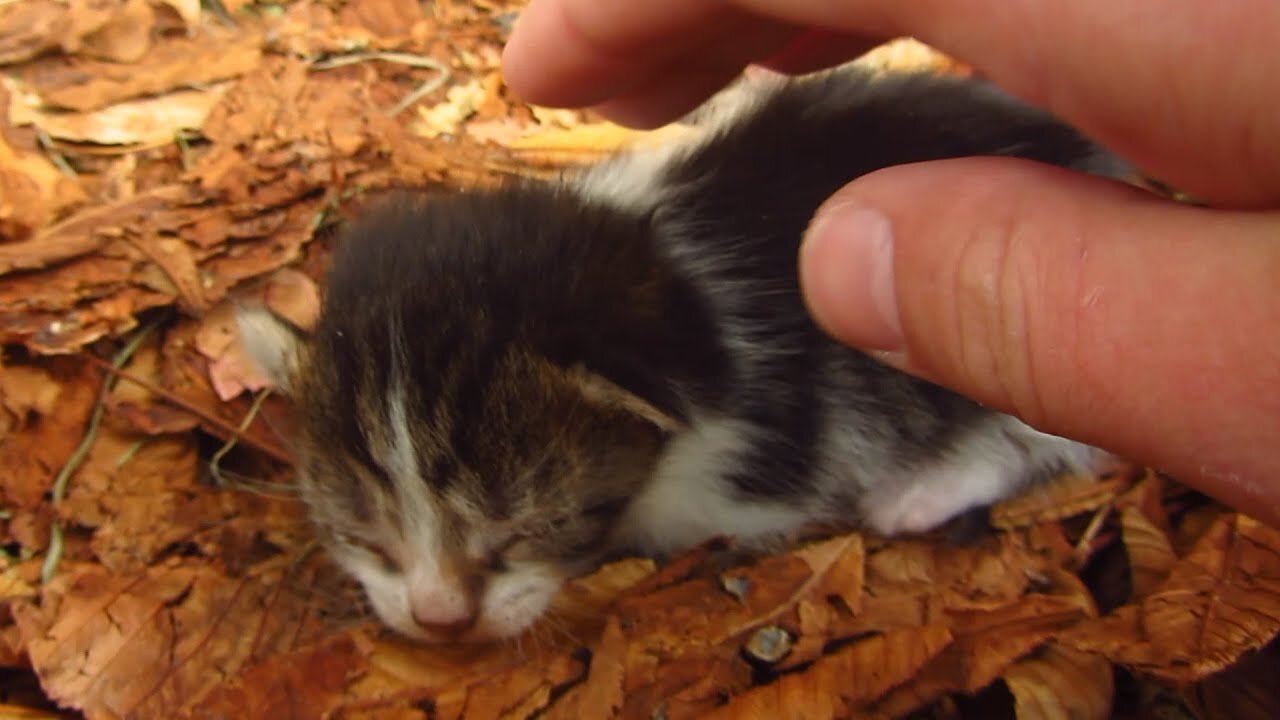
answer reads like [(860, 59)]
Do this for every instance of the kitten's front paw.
[(916, 509)]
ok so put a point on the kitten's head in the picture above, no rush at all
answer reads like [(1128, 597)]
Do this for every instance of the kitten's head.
[(454, 459)]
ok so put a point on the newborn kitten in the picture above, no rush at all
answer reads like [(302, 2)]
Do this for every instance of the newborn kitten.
[(506, 385)]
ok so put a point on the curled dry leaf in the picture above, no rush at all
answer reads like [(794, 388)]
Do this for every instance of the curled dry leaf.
[(125, 38), (154, 644), (552, 146), (188, 10), (843, 683), (447, 117), (1219, 601), (1058, 683), (37, 443), (387, 18), (33, 191), (305, 683), (1245, 691), (33, 27), (1063, 497), (211, 54), (1150, 552), (149, 121)]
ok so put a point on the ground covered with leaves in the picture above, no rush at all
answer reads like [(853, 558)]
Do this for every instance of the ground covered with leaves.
[(160, 158)]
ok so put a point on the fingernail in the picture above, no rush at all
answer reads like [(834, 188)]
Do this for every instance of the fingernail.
[(847, 271)]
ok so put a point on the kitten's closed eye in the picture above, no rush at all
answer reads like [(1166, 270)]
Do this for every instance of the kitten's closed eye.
[(496, 560), (607, 508), (385, 559)]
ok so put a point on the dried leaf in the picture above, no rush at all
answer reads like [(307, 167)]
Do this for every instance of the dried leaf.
[(305, 683), (210, 55), (149, 121), (33, 27), (1151, 555), (188, 10), (14, 587), (1061, 684), (32, 190), (154, 644), (839, 683), (446, 118), (1245, 691), (1064, 497), (388, 18), (1219, 601), (125, 38), (38, 445)]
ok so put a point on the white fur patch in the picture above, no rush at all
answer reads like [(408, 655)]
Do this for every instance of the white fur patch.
[(986, 467), (516, 599), (630, 181), (688, 500), (636, 179)]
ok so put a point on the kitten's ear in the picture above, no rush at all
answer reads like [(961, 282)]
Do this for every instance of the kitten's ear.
[(599, 389), (272, 343)]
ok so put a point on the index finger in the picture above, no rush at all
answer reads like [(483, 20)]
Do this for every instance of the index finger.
[(1181, 91), (581, 52)]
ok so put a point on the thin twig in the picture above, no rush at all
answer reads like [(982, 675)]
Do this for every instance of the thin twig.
[(1084, 547), (182, 404), (183, 142), (77, 458), (417, 94), (230, 443), (417, 61), (55, 155)]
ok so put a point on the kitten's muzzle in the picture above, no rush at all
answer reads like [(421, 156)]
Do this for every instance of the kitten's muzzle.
[(444, 621), (446, 610)]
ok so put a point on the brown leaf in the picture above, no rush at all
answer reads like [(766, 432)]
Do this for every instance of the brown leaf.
[(127, 482), (39, 444), (86, 231), (154, 644), (125, 38), (1059, 683), (28, 389), (1245, 691), (1151, 555), (1064, 497), (1219, 601), (32, 190), (603, 694), (389, 18), (14, 587), (845, 680), (148, 121), (552, 146), (209, 55), (30, 28), (305, 683)]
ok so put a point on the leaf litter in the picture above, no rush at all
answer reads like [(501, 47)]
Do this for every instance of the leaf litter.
[(161, 160)]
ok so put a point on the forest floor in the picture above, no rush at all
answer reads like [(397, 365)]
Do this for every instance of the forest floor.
[(161, 158)]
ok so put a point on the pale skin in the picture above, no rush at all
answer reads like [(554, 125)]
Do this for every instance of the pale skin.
[(1085, 308)]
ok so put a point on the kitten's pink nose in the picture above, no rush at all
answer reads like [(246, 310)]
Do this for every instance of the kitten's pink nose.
[(443, 615)]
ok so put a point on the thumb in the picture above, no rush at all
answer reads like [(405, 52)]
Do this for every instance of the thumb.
[(1087, 308)]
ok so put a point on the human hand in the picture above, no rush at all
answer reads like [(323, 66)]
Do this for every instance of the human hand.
[(1087, 309)]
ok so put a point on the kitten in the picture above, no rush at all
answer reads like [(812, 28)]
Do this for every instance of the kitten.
[(506, 385)]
